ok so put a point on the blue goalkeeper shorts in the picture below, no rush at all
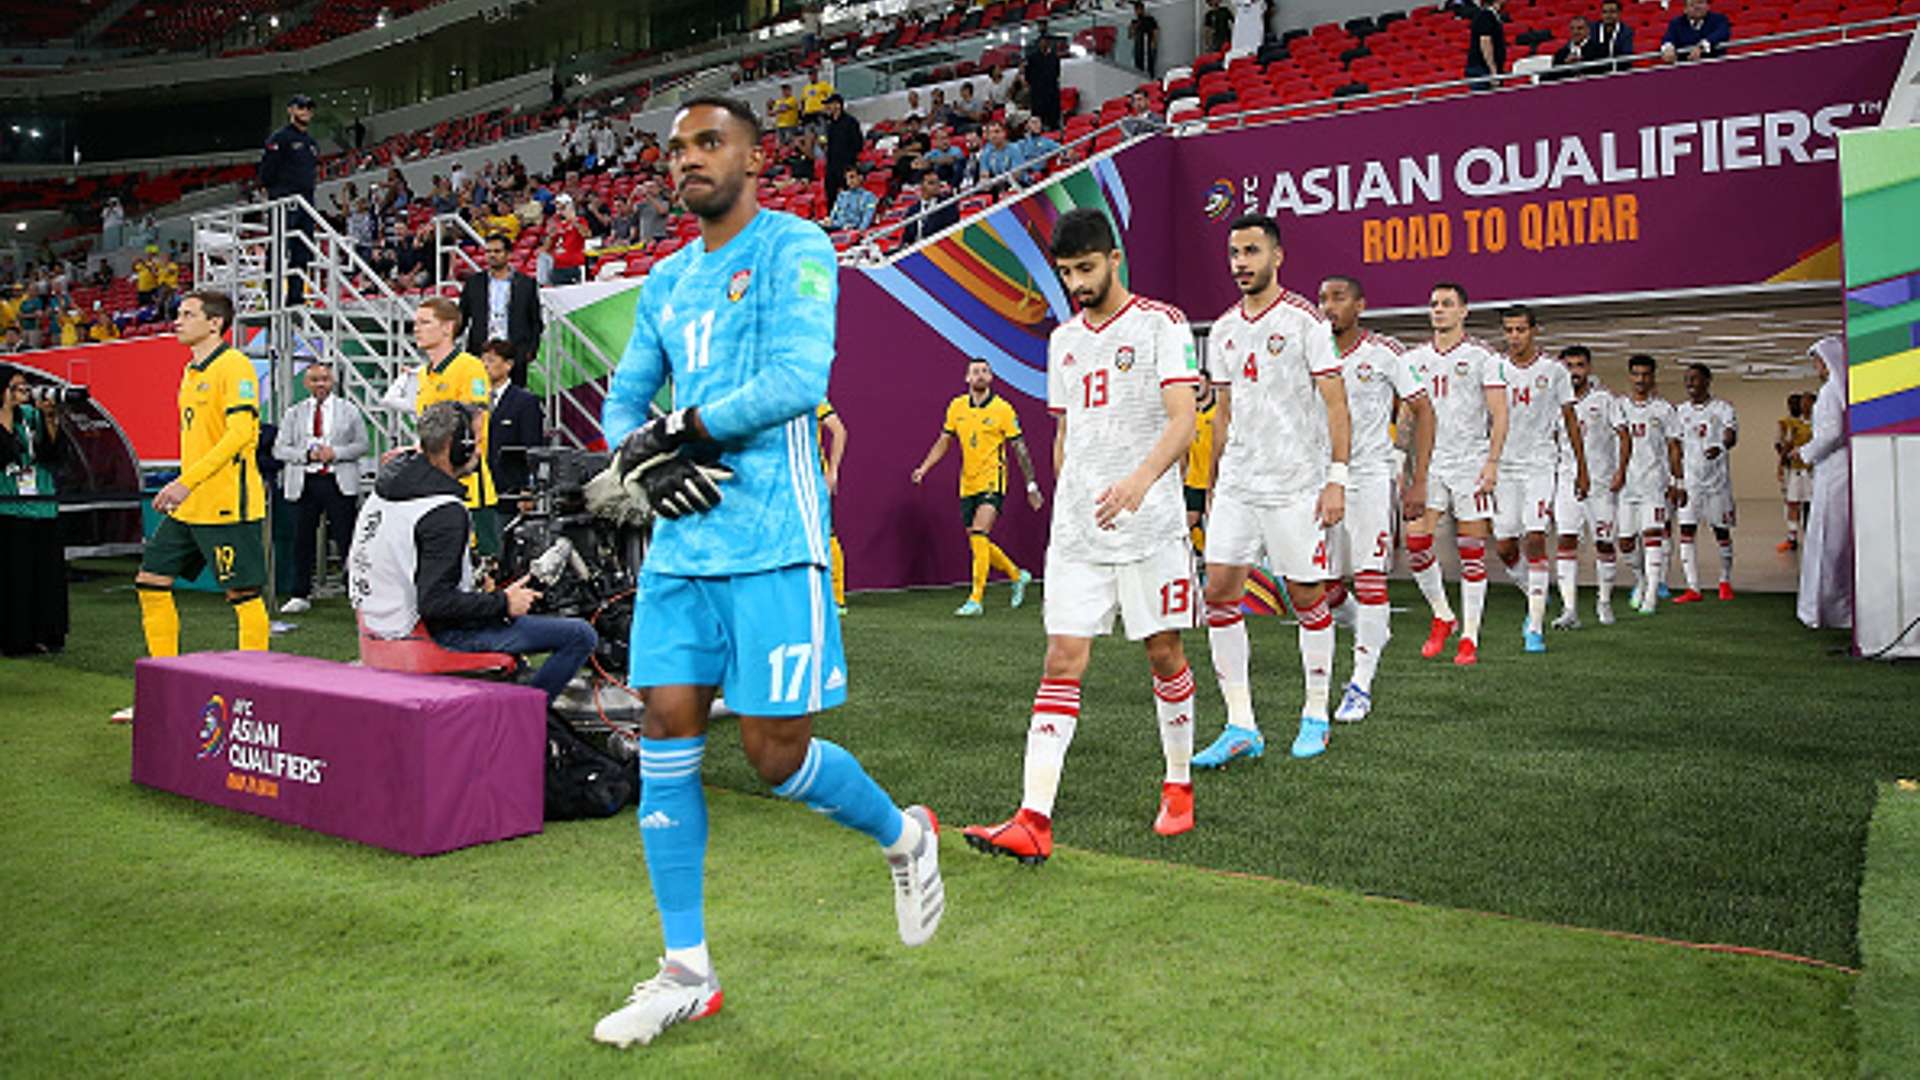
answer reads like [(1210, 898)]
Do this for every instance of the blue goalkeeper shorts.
[(770, 641)]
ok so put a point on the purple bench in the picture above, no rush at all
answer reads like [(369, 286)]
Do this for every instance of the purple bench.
[(413, 763)]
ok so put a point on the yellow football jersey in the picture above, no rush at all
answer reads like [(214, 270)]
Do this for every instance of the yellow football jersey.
[(983, 431), (1200, 454), (462, 377), (219, 432), (820, 414), (1799, 433)]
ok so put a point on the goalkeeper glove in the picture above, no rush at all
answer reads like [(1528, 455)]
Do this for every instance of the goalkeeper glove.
[(654, 469)]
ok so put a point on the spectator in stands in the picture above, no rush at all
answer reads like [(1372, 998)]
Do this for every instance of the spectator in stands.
[(319, 444), (1486, 45), (650, 210), (146, 234), (166, 275), (1218, 22), (502, 304), (396, 193), (342, 201), (844, 143), (146, 276), (1696, 34), (543, 261), (597, 215), (944, 158), (997, 159), (1036, 149), (943, 215), (409, 565), (1140, 118), (11, 340), (800, 157), (968, 110), (914, 111), (289, 166), (569, 235), (1000, 86), (814, 97), (413, 258), (441, 196), (360, 228), (514, 423), (1042, 71), (853, 208), (1145, 32), (909, 157), (1576, 57), (113, 221), (103, 328), (67, 323), (500, 220), (784, 110), (531, 210)]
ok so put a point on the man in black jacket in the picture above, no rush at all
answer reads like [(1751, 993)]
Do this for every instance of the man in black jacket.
[(844, 140), (514, 424), (409, 563), (1042, 69), (502, 303), (1578, 56), (289, 166), (932, 193)]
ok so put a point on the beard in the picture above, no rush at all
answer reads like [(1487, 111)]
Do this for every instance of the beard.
[(1261, 279), (716, 198)]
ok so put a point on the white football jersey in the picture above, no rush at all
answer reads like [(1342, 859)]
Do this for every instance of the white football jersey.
[(1377, 376), (1702, 426), (1105, 382), (1457, 381), (1649, 424), (1277, 448), (1600, 431), (1535, 395)]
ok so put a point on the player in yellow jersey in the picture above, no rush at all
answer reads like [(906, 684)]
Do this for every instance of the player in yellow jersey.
[(452, 374), (213, 509), (1199, 466), (1796, 478), (985, 425), (832, 452)]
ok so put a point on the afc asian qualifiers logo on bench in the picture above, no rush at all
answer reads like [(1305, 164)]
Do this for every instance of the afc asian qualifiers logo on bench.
[(213, 728)]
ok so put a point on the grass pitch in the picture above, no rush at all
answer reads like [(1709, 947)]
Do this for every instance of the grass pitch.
[(1706, 774)]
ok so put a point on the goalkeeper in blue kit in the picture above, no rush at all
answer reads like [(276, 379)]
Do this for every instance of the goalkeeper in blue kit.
[(734, 595)]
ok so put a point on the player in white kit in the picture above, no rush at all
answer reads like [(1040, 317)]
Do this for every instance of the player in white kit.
[(1281, 435), (1650, 445), (1539, 405), (1596, 408), (1378, 381), (1120, 382), (1708, 431), (1469, 397)]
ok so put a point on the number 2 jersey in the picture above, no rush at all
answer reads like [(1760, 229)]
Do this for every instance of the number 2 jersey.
[(746, 334), (1704, 426), (1106, 380)]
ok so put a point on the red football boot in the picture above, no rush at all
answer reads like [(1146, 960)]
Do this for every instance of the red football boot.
[(1026, 836), (1726, 590), (1691, 596), (1437, 636), (1176, 809), (1468, 655)]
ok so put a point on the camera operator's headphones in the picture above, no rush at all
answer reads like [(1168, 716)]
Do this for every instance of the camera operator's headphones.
[(463, 448)]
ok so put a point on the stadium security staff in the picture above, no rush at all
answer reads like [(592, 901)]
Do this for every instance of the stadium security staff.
[(409, 562), (289, 166)]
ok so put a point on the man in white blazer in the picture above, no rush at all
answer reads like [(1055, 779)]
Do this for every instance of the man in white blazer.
[(321, 441)]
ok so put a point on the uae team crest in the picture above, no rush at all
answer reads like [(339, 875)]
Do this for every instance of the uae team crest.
[(737, 286), (1275, 343), (1123, 358)]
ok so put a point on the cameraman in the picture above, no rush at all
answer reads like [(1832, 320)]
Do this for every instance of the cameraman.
[(33, 591), (410, 565)]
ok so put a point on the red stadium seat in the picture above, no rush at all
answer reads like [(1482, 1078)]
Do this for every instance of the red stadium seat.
[(418, 653)]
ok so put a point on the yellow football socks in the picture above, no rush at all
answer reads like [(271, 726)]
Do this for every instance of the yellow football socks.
[(839, 572), (981, 560), (998, 560), (159, 620), (251, 614)]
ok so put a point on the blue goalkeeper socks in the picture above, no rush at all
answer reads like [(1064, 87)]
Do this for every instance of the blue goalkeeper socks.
[(831, 782), (673, 832)]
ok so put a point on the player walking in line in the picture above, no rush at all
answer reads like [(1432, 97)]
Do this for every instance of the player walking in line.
[(833, 450), (1281, 437), (1709, 429), (1539, 405), (985, 425), (1650, 445), (1796, 478), (213, 508), (1596, 408), (733, 594), (1469, 397), (1120, 380), (1378, 383), (453, 374)]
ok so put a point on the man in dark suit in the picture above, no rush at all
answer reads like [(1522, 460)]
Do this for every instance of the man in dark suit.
[(1574, 59), (502, 303), (1042, 69), (514, 422), (1696, 34), (844, 142), (1613, 39), (932, 193)]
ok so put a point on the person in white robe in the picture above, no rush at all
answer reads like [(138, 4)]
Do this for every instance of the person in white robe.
[(1826, 556)]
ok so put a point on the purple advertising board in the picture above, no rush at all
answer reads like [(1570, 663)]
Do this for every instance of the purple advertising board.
[(411, 763), (1691, 176)]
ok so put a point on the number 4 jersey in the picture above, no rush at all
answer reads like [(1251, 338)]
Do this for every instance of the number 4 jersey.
[(1106, 380)]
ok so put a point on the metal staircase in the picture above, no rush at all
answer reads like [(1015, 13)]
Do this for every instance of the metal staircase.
[(346, 314)]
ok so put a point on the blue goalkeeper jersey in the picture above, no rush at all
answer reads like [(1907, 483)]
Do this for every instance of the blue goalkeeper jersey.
[(746, 334)]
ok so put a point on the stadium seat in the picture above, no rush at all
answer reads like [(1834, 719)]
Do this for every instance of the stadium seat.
[(419, 654)]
